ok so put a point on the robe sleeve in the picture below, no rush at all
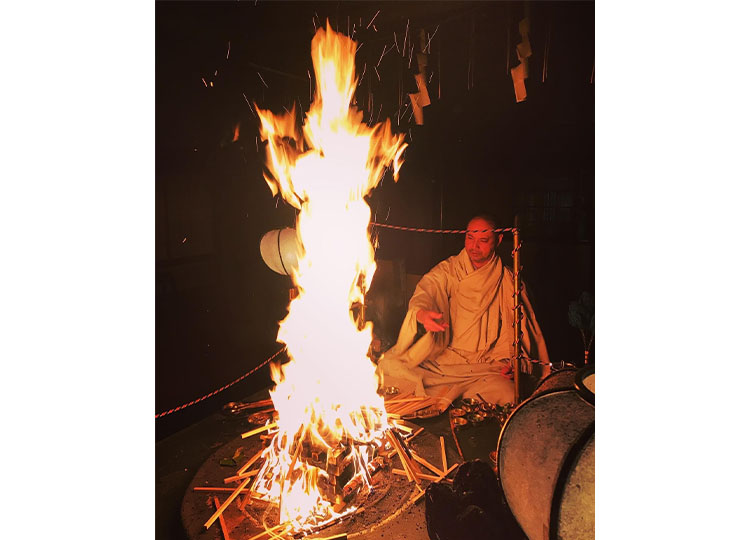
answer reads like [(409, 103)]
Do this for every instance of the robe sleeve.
[(431, 292)]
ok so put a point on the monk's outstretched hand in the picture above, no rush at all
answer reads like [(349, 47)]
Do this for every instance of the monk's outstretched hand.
[(432, 320)]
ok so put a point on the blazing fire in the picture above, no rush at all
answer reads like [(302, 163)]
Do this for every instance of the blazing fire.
[(331, 418)]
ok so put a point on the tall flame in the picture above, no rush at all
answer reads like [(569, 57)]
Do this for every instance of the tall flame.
[(327, 393)]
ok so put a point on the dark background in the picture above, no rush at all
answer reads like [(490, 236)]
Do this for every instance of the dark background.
[(218, 305)]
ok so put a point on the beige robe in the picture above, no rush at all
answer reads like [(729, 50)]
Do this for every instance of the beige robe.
[(468, 358)]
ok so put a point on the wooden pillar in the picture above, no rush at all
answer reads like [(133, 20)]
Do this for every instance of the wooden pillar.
[(517, 310)]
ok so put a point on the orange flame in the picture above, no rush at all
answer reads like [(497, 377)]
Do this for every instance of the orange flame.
[(327, 394)]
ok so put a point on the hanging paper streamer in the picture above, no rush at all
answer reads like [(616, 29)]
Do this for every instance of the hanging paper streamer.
[(521, 71)]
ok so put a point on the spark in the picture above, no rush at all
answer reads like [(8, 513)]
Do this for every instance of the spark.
[(360, 45), (401, 115), (396, 42), (216, 72), (430, 79), (410, 53), (229, 46), (373, 19), (204, 82), (248, 104), (406, 34), (184, 240), (429, 39), (315, 28), (376, 72), (379, 110), (374, 27), (362, 77), (382, 54), (261, 78), (310, 79)]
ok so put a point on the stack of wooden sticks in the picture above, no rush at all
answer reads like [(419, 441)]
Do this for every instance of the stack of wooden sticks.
[(410, 405), (399, 443)]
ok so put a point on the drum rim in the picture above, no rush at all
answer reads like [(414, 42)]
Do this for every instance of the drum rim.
[(523, 404), (566, 467), (550, 375), (584, 392)]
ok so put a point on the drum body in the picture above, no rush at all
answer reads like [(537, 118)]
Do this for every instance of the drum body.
[(546, 459)]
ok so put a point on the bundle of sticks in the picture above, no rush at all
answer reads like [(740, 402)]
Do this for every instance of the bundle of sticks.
[(410, 405)]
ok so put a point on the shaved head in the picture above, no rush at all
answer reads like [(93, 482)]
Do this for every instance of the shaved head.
[(481, 241)]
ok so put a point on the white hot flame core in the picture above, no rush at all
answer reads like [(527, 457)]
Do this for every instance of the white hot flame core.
[(327, 392)]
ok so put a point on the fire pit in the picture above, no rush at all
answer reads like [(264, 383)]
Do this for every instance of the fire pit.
[(391, 506)]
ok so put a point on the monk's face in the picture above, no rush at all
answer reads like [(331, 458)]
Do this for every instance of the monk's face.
[(480, 246)]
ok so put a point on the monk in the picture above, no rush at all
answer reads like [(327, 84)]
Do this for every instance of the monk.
[(465, 305)]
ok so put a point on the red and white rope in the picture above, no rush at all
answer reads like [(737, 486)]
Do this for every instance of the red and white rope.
[(238, 379)]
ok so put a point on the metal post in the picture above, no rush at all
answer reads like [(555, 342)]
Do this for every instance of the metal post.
[(516, 310)]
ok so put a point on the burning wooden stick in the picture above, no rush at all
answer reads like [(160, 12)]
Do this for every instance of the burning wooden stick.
[(426, 463), (402, 427), (411, 406), (430, 477), (407, 438), (295, 457), (252, 494), (446, 473), (221, 519), (414, 434), (216, 488), (261, 403), (442, 453), (270, 532), (226, 503), (259, 430), (252, 460), (405, 461), (241, 476)]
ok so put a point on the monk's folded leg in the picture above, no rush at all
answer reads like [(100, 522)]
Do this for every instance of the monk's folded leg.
[(493, 388)]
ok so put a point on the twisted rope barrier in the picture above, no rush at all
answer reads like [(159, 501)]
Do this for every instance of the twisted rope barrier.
[(374, 224), (238, 379)]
